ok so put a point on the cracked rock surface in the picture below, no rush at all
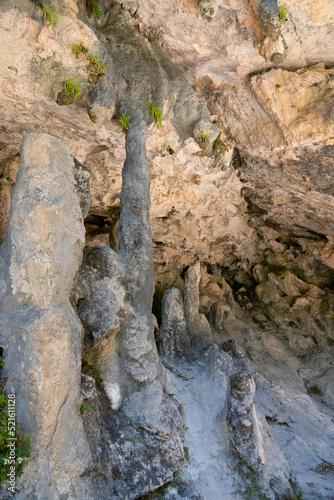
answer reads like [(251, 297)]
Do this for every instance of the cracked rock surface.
[(225, 210)]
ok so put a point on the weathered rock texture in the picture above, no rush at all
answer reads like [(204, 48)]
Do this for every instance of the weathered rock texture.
[(198, 327), (241, 183), (115, 290), (172, 335), (242, 420), (40, 332), (115, 293)]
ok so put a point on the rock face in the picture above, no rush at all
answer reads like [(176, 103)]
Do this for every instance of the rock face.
[(241, 217), (40, 331)]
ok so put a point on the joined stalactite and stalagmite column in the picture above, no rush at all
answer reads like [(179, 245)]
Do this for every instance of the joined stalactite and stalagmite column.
[(114, 293), (120, 321), (39, 329), (135, 242)]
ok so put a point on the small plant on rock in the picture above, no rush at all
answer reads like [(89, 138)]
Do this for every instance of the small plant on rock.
[(298, 271), (85, 407), (314, 389), (283, 13), (137, 438), (73, 86), (156, 113), (101, 67), (50, 16), (78, 49), (178, 473), (124, 122), (279, 271), (97, 64), (258, 322), (204, 137), (96, 9), (215, 142)]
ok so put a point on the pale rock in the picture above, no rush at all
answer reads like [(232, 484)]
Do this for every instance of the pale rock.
[(6, 196), (267, 291), (276, 182), (273, 50), (114, 293), (208, 8), (303, 115), (289, 284), (39, 260), (198, 328), (172, 335), (219, 364)]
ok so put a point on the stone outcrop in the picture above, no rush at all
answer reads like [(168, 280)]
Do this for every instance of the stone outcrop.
[(172, 334), (40, 332), (198, 327), (115, 290), (241, 186), (242, 420)]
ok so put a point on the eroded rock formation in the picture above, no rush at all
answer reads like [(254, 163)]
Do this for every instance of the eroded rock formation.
[(172, 335), (40, 332), (241, 218), (115, 293)]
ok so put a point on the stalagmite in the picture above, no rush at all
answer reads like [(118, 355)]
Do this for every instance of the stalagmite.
[(39, 329)]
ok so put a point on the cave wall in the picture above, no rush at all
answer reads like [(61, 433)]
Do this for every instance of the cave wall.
[(241, 191)]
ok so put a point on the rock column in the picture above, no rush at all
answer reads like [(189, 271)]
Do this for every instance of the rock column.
[(39, 330), (115, 291)]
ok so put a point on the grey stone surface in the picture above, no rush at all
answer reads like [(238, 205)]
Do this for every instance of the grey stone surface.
[(39, 330), (82, 186), (304, 432), (251, 437), (219, 364), (88, 387), (115, 290), (198, 327), (104, 97), (270, 19), (100, 292), (172, 335), (153, 76)]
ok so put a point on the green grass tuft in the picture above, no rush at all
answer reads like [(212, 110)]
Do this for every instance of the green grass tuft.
[(283, 13), (73, 86), (124, 122), (156, 113), (50, 16)]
